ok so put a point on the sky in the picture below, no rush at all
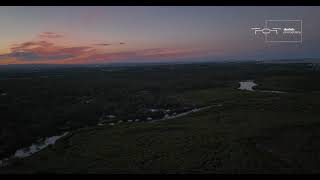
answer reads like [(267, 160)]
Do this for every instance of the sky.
[(91, 35)]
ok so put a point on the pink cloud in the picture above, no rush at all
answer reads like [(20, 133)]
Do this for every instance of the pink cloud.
[(48, 51), (44, 50), (29, 45)]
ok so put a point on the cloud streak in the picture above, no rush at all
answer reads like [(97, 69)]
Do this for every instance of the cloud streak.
[(103, 44), (109, 44), (50, 35)]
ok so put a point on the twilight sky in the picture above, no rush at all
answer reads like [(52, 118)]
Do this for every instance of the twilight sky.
[(64, 35)]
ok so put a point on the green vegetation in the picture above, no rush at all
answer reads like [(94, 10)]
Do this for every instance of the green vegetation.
[(252, 132)]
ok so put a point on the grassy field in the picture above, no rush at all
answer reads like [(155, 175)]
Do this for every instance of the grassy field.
[(251, 132)]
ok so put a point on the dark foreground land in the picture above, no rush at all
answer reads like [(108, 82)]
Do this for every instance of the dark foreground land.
[(242, 132)]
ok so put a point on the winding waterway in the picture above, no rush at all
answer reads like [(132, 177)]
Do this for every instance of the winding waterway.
[(249, 84)]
